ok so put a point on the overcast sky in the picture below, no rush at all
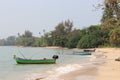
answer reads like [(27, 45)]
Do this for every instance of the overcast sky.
[(36, 15)]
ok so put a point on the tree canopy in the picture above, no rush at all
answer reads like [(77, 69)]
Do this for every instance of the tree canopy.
[(107, 33)]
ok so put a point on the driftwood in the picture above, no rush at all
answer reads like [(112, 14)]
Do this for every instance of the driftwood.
[(117, 59)]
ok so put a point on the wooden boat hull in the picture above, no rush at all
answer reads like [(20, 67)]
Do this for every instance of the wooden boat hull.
[(36, 61), (87, 50)]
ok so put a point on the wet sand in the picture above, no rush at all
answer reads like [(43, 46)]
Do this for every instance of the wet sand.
[(103, 67), (81, 74), (87, 73)]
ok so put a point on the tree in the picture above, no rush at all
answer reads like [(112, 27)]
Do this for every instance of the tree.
[(73, 39), (26, 39), (115, 37), (90, 37), (60, 33), (48, 39), (2, 42), (110, 20), (111, 14), (88, 41), (11, 40), (27, 34)]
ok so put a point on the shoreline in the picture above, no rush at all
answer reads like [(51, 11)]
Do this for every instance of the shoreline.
[(76, 71), (81, 74), (110, 70), (69, 72), (104, 68), (89, 70)]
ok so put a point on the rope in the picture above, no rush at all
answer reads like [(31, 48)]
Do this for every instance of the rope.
[(33, 55), (22, 54)]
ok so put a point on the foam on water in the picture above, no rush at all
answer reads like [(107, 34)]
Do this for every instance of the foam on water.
[(53, 74), (68, 68), (56, 72), (65, 63)]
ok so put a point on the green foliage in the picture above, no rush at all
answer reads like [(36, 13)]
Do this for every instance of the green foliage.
[(111, 14), (11, 40), (106, 34), (64, 36), (110, 22), (115, 37), (26, 39), (61, 32), (90, 37), (48, 39), (88, 41), (73, 39), (37, 42)]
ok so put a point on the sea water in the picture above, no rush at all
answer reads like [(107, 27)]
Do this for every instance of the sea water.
[(10, 70)]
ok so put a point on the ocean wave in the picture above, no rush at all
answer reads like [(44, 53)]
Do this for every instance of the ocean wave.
[(54, 73)]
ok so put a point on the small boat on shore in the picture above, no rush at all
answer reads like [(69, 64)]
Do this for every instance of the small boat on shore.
[(36, 61), (89, 50), (82, 53)]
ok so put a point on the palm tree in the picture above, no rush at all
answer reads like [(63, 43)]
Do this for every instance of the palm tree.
[(111, 14)]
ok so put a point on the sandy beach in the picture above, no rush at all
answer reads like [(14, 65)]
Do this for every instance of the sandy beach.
[(103, 67), (110, 70)]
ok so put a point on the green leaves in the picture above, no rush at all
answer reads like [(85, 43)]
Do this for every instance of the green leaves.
[(115, 37), (111, 14), (26, 39), (88, 41)]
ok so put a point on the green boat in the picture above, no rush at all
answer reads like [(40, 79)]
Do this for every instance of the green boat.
[(36, 61)]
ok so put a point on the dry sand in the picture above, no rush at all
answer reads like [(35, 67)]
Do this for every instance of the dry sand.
[(111, 69)]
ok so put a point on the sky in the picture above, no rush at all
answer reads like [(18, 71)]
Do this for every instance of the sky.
[(16, 16)]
